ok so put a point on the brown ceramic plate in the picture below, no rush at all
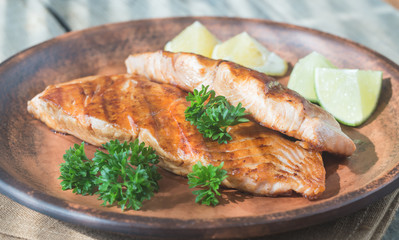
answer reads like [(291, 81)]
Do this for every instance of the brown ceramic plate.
[(31, 153)]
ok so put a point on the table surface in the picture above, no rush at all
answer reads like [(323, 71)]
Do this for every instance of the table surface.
[(373, 23)]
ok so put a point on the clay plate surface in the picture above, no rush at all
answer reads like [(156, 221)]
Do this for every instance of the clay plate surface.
[(31, 152)]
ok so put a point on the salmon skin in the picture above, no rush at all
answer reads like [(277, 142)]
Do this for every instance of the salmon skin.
[(97, 109), (270, 103)]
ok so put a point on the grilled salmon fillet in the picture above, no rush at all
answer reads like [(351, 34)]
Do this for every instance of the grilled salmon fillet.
[(271, 104), (97, 109)]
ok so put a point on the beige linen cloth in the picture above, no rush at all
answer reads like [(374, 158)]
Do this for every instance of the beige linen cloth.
[(347, 19), (19, 222)]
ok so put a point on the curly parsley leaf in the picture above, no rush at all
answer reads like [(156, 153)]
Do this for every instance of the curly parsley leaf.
[(126, 175), (197, 99), (119, 182), (209, 178), (77, 171), (213, 117)]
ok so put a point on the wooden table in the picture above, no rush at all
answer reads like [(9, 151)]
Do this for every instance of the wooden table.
[(373, 23)]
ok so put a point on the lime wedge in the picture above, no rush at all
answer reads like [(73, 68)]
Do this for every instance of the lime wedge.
[(350, 95), (302, 76), (196, 38), (248, 52)]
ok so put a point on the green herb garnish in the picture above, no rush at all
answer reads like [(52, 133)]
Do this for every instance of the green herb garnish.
[(78, 172), (209, 178), (212, 115), (126, 175)]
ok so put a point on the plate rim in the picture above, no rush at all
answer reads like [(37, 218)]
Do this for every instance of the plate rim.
[(390, 181)]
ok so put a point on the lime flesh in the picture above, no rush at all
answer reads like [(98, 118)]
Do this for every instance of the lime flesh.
[(248, 52), (196, 38), (350, 95), (302, 76)]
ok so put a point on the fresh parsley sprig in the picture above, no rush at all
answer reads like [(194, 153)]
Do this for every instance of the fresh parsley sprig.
[(119, 182), (209, 178), (213, 114), (77, 172), (126, 175)]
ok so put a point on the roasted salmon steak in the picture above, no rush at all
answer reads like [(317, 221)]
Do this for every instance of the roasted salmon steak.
[(270, 103), (97, 109)]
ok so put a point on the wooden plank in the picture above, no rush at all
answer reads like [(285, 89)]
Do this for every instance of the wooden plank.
[(343, 18), (24, 23)]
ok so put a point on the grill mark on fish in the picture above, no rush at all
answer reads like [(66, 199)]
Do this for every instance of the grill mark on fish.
[(185, 140), (241, 153), (238, 149), (57, 96), (104, 107), (192, 142), (159, 116)]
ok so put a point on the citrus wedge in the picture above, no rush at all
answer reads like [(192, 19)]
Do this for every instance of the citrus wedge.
[(246, 51), (302, 76), (194, 39), (350, 95)]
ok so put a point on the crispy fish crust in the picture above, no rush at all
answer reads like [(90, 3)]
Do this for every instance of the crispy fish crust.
[(271, 104), (97, 109)]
